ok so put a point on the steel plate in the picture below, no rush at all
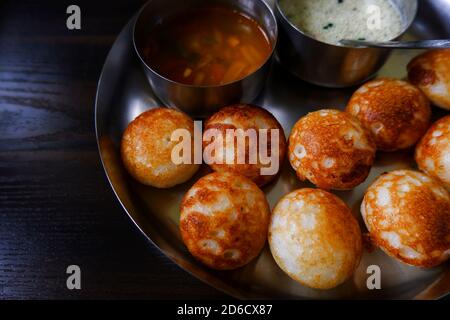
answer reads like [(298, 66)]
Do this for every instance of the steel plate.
[(123, 93)]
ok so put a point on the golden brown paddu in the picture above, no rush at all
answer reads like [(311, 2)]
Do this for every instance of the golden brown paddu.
[(433, 151), (430, 71), (315, 239), (408, 216), (331, 149), (246, 117), (396, 112), (224, 220), (147, 148)]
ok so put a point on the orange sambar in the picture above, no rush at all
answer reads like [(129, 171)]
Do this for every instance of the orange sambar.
[(207, 46)]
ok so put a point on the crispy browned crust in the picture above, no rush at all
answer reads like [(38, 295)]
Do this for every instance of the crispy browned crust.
[(230, 210), (244, 116), (146, 148), (323, 254), (336, 137), (433, 151), (430, 71), (396, 112), (417, 216)]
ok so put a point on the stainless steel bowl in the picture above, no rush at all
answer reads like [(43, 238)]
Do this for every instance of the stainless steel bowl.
[(329, 65), (203, 100)]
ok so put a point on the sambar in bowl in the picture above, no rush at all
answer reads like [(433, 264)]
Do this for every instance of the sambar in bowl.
[(204, 55)]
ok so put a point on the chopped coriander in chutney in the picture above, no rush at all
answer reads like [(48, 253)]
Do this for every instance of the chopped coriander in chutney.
[(333, 20)]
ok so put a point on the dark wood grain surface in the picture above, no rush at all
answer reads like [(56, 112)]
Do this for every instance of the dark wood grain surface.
[(56, 207)]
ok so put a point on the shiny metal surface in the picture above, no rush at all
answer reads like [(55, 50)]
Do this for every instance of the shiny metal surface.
[(124, 92), (329, 65), (420, 44), (203, 100)]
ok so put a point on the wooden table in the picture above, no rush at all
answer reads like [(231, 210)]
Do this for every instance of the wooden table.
[(56, 207)]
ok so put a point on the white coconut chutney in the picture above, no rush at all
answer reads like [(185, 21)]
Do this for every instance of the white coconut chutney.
[(333, 20)]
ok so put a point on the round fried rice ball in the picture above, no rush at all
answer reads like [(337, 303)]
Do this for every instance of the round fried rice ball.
[(397, 113), (224, 220), (315, 239), (331, 149), (430, 71), (433, 152), (246, 117), (408, 216), (147, 148)]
